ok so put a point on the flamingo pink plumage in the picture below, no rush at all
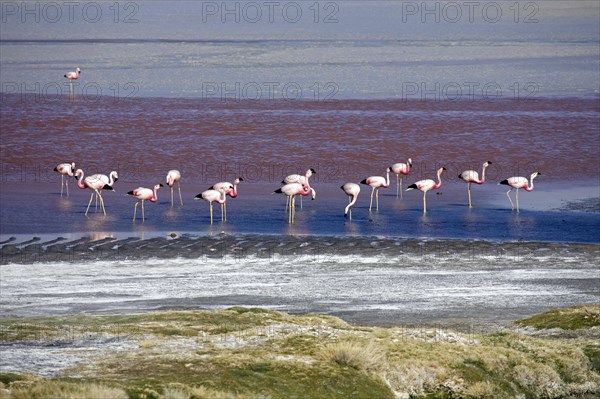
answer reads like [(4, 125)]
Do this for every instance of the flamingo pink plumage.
[(519, 182), (174, 176), (65, 169), (400, 169), (214, 195), (377, 182), (471, 176), (72, 75), (230, 190), (426, 185), (296, 178), (144, 194), (352, 190), (97, 183), (291, 190)]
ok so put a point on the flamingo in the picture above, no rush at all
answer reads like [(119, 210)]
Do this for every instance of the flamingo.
[(471, 176), (144, 194), (65, 169), (291, 190), (232, 192), (519, 182), (426, 185), (172, 177), (212, 196), (96, 183), (352, 190), (401, 169), (302, 180), (376, 182), (72, 76)]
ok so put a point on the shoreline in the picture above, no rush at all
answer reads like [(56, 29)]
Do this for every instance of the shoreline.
[(169, 245)]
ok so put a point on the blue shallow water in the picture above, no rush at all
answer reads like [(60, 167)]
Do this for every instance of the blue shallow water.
[(256, 211)]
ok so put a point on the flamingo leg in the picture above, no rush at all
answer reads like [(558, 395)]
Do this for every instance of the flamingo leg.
[(301, 201), (225, 208), (294, 208), (172, 196), (397, 185), (425, 202), (62, 182), (143, 213), (89, 203), (517, 196), (512, 206), (96, 209), (135, 210), (179, 189), (70, 88), (469, 191), (66, 184), (211, 214), (401, 188), (102, 203), (371, 203), (377, 198), (287, 203)]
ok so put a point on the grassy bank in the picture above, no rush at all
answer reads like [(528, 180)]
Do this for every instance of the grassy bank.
[(243, 353)]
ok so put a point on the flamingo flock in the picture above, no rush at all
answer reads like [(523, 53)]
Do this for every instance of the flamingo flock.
[(293, 186)]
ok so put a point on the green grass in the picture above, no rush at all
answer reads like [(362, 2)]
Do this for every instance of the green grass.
[(573, 318), (241, 353)]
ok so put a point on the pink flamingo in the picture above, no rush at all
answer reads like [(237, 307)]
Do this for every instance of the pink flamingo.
[(519, 182), (295, 178), (352, 190), (212, 196), (65, 169), (144, 194), (172, 177), (72, 76), (471, 176), (376, 182), (97, 183), (426, 185), (291, 190), (232, 192), (400, 169)]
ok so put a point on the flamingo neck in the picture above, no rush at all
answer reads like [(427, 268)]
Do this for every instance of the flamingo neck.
[(155, 196), (439, 176), (234, 192), (80, 182), (354, 198), (387, 178), (529, 187), (111, 179), (483, 174), (407, 167)]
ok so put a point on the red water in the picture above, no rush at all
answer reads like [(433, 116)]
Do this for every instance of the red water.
[(264, 141)]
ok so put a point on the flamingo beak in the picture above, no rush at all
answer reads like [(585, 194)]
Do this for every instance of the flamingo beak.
[(162, 185)]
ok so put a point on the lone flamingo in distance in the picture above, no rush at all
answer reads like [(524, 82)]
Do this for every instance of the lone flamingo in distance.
[(295, 178), (291, 190), (377, 182), (212, 196), (96, 183), (72, 76), (172, 177), (352, 190), (426, 185), (401, 169), (230, 190), (65, 169), (144, 194), (519, 182), (471, 176)]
